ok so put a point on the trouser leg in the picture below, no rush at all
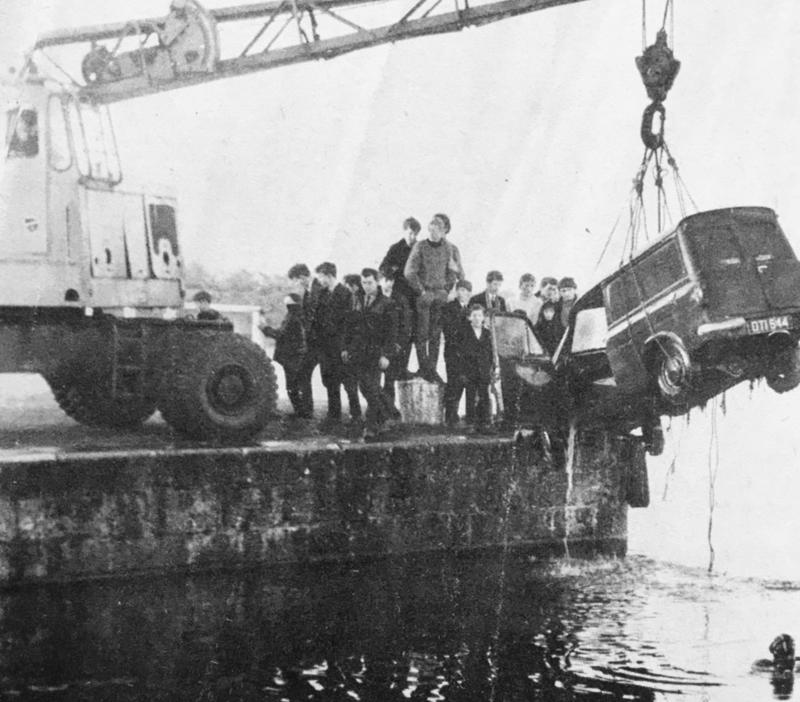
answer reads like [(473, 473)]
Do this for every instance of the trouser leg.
[(351, 388), (332, 372), (369, 382), (304, 374), (293, 389), (453, 391), (471, 392), (435, 329), (483, 408), (423, 325)]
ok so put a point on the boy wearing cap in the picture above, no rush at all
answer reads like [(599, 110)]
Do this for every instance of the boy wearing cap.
[(433, 267), (569, 293)]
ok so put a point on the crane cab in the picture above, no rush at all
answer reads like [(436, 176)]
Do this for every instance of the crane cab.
[(72, 233)]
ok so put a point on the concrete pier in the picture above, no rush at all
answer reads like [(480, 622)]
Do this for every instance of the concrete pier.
[(77, 515)]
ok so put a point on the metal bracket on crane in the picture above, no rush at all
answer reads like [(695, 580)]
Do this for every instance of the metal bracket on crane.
[(187, 44)]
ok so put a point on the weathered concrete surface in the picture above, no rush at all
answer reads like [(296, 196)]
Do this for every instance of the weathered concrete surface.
[(79, 515)]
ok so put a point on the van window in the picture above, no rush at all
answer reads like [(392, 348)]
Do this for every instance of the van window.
[(590, 330), (645, 279), (623, 295), (515, 338), (660, 269), (715, 248), (763, 240)]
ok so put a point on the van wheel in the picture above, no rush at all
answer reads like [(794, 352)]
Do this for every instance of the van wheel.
[(671, 372), (783, 373)]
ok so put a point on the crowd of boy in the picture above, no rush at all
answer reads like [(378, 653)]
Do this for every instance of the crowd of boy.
[(361, 331)]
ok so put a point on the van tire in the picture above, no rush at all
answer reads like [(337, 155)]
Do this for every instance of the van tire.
[(671, 372), (783, 373)]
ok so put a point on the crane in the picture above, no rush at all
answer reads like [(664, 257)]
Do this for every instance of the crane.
[(185, 47), (91, 268)]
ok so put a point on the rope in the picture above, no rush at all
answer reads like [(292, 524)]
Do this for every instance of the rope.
[(713, 465)]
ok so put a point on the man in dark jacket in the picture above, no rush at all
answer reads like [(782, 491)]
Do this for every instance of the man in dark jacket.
[(395, 262), (290, 347), (370, 343), (333, 308), (455, 323), (490, 299), (478, 359), (308, 289), (404, 325)]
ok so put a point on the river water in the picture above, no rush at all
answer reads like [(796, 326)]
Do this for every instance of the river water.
[(497, 627)]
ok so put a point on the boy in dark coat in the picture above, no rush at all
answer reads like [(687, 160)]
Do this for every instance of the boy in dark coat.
[(455, 323), (490, 298), (549, 329), (334, 305), (405, 328), (290, 348), (477, 361), (370, 343)]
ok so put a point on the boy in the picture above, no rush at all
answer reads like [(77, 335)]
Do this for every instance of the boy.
[(205, 313), (290, 348), (455, 323), (477, 361)]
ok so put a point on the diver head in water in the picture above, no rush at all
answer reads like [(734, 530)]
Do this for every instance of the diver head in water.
[(782, 650)]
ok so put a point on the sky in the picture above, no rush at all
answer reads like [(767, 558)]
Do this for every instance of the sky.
[(526, 133)]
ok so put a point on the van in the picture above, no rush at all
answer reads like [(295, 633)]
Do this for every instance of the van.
[(712, 303)]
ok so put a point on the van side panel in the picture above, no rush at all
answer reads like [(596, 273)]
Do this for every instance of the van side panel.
[(651, 295)]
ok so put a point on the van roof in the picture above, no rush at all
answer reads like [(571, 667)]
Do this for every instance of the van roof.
[(757, 212)]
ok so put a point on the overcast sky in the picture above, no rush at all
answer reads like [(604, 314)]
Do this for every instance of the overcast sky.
[(526, 133)]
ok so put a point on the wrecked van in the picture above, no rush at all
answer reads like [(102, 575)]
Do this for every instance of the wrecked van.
[(714, 302)]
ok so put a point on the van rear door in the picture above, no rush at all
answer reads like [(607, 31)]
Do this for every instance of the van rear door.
[(775, 263), (744, 260)]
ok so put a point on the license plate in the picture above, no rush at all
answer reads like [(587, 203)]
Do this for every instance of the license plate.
[(770, 324)]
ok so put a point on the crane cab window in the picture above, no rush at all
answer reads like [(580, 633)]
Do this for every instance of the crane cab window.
[(22, 128), (94, 142)]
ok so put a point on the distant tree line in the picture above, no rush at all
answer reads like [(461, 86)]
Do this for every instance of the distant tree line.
[(241, 287)]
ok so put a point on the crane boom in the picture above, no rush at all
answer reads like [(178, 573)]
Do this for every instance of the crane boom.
[(184, 48)]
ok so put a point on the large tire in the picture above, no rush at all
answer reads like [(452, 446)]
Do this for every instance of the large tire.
[(671, 372), (783, 373), (221, 388), (88, 401)]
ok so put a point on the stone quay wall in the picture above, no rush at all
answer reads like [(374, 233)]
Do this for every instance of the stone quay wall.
[(75, 516)]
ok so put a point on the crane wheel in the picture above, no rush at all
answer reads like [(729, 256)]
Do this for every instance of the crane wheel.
[(88, 401), (221, 388)]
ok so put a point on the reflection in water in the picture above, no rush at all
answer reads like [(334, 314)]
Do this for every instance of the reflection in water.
[(424, 629)]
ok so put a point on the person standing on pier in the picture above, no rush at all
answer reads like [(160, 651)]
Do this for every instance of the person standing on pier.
[(308, 289), (404, 325), (455, 324), (333, 310), (477, 359), (370, 343), (433, 268), (290, 347)]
